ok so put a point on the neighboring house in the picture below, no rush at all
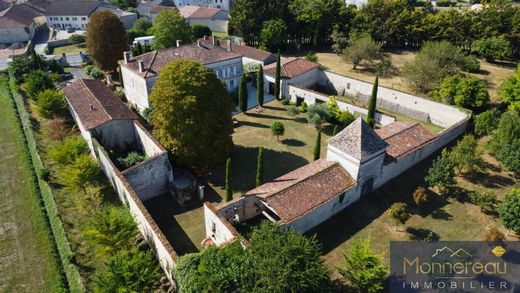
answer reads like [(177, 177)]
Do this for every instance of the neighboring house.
[(220, 4), (18, 23), (144, 41), (127, 18), (250, 55), (154, 11), (69, 14), (140, 72), (293, 71), (214, 18), (358, 3), (147, 9)]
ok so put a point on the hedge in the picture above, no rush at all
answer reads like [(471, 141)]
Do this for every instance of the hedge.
[(61, 244)]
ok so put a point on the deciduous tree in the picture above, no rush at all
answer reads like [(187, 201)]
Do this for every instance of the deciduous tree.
[(510, 90), (492, 48), (273, 34), (442, 172), (361, 48), (399, 213), (509, 210), (169, 27), (465, 154), (486, 122), (277, 129)]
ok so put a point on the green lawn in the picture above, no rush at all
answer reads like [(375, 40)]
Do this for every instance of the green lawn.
[(69, 49), (26, 260)]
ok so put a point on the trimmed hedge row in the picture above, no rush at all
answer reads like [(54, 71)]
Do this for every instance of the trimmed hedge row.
[(61, 242)]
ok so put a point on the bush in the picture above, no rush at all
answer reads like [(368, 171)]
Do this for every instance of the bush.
[(131, 159), (88, 69), (57, 129), (199, 31), (486, 122), (445, 3), (494, 235), (311, 57), (510, 90), (51, 103), (420, 197), (293, 111), (471, 64), (492, 49), (96, 73), (77, 39), (44, 174), (345, 118), (285, 101), (277, 129), (317, 114), (509, 210), (487, 201), (66, 151), (80, 173), (304, 107), (36, 82)]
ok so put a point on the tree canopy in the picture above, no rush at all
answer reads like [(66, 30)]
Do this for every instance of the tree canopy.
[(510, 90), (192, 114), (464, 91), (169, 27), (106, 39), (273, 34), (509, 210)]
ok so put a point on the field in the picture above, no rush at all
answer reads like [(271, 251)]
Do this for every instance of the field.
[(492, 73), (69, 49), (26, 256)]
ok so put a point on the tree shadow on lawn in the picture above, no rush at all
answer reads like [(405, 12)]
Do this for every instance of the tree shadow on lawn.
[(293, 142), (252, 124), (489, 180), (422, 234), (267, 116), (274, 108)]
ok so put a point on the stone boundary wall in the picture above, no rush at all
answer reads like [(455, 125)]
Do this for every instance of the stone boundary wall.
[(162, 248), (218, 226), (396, 101), (311, 96)]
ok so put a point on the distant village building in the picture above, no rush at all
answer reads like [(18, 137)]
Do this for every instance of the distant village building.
[(250, 55), (150, 9), (293, 71), (220, 4), (214, 18), (69, 14), (126, 17), (18, 23)]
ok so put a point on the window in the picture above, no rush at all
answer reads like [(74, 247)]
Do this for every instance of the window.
[(66, 18), (61, 18), (228, 71), (213, 227), (348, 85), (221, 73), (234, 70), (83, 18), (74, 18), (216, 73), (231, 83)]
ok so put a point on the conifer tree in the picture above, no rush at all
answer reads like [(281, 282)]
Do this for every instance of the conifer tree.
[(277, 76), (229, 181), (260, 86), (372, 104), (335, 130), (317, 146), (260, 167), (242, 93)]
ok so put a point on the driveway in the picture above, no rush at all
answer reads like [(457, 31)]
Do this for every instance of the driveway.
[(78, 73), (40, 40)]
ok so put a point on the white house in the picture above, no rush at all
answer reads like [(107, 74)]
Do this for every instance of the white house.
[(296, 71), (18, 23), (250, 55), (214, 18), (220, 4), (69, 14), (140, 72), (126, 17)]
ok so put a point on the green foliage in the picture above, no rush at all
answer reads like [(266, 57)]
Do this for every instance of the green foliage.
[(361, 48), (420, 196), (242, 93), (465, 154), (229, 181), (510, 90), (260, 86), (200, 30), (292, 110), (77, 39), (81, 172), (273, 34), (142, 25), (148, 113), (110, 230), (486, 122), (510, 157), (464, 91), (344, 118), (304, 107), (66, 151), (131, 159), (127, 272), (277, 129), (505, 142), (318, 114), (169, 27), (95, 73), (335, 130), (37, 81), (372, 104), (51, 103), (124, 4), (106, 39), (277, 76), (317, 147), (311, 56), (260, 167), (445, 3), (509, 210), (471, 64), (19, 66), (191, 115), (363, 269), (487, 200), (442, 172), (492, 48), (399, 213)]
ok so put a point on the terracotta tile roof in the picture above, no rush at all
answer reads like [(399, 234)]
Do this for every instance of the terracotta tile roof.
[(358, 140), (304, 189), (154, 61), (403, 138), (95, 104), (291, 67), (246, 51), (70, 7), (21, 15), (197, 12)]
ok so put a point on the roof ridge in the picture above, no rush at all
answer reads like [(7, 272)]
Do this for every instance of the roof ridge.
[(151, 63), (304, 179), (95, 98), (402, 130)]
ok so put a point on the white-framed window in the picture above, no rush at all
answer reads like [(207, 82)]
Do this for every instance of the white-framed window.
[(231, 83), (234, 70), (216, 73)]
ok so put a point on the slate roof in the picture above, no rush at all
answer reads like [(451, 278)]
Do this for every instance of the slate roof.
[(154, 61), (246, 51), (70, 7), (157, 9), (358, 140), (95, 104), (21, 15), (197, 12), (304, 189), (403, 138), (291, 67)]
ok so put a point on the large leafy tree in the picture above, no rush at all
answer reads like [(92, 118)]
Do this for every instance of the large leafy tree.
[(492, 48), (464, 91), (486, 122), (505, 142), (83, 171), (510, 90), (442, 172), (363, 268), (106, 39), (509, 210), (465, 154), (361, 48), (192, 114), (273, 34), (169, 27)]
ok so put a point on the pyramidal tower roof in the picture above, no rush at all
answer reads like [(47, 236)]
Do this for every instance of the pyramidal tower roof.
[(358, 140)]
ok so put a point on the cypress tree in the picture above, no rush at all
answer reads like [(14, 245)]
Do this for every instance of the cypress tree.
[(139, 49), (335, 130), (372, 104), (317, 146), (242, 93), (120, 76), (229, 181), (260, 86), (35, 60), (277, 76), (260, 167)]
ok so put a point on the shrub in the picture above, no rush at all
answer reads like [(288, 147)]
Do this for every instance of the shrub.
[(492, 49), (471, 64), (304, 107), (420, 197), (487, 201), (293, 111), (399, 213), (442, 172), (317, 114), (199, 31), (88, 69), (82, 171), (510, 90), (147, 113), (486, 122), (464, 91), (285, 101), (77, 39), (509, 210), (345, 118), (465, 154), (311, 56), (120, 93), (36, 82), (96, 73), (445, 3), (51, 103), (66, 151), (57, 129), (44, 174), (277, 129), (131, 159)]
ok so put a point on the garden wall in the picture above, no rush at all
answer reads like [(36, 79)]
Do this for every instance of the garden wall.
[(151, 177), (217, 227)]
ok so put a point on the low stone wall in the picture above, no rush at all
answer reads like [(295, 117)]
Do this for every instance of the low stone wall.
[(218, 228), (310, 97), (150, 177)]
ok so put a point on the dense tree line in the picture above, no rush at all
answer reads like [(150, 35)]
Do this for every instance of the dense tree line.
[(394, 23)]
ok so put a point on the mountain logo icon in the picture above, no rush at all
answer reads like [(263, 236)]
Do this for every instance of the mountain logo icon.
[(446, 251)]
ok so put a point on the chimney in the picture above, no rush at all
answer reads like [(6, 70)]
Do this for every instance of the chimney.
[(126, 56), (198, 43), (178, 43), (214, 40), (141, 65), (91, 107), (205, 37), (229, 45), (109, 79)]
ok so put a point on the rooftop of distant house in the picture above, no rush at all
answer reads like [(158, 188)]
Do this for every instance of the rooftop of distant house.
[(246, 51), (296, 193), (291, 67), (403, 138), (154, 61), (66, 7), (20, 15), (157, 9), (198, 12), (95, 104)]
